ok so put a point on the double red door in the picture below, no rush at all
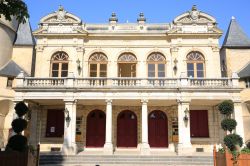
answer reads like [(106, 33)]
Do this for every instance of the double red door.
[(158, 129), (96, 129), (127, 129)]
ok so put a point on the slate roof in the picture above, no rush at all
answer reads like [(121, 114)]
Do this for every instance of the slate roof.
[(24, 35), (11, 69), (245, 72), (235, 36)]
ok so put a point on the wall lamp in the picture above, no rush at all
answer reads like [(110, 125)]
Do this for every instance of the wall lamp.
[(67, 117), (175, 66), (79, 68), (185, 118)]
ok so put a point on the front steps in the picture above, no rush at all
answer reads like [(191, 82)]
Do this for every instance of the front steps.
[(124, 160)]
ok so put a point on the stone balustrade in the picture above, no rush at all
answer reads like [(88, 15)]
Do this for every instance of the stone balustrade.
[(71, 82)]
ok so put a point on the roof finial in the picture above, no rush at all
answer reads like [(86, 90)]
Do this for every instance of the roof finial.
[(60, 8), (233, 18), (194, 8), (141, 18), (113, 18)]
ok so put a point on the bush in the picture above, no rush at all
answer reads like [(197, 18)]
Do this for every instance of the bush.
[(232, 140), (17, 143), (226, 107), (18, 125), (228, 124), (21, 109), (245, 150)]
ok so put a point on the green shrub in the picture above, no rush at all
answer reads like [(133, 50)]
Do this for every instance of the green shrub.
[(245, 150), (232, 140), (21, 109), (18, 125), (226, 107), (17, 143), (228, 124)]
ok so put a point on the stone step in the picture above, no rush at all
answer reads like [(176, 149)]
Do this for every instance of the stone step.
[(122, 160)]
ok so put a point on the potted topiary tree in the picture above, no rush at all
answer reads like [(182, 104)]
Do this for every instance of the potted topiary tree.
[(233, 142), (17, 151)]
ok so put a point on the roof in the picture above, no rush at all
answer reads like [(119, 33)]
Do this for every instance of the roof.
[(245, 72), (24, 35), (11, 69), (235, 36)]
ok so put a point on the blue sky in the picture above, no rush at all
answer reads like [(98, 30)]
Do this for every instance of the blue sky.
[(156, 11)]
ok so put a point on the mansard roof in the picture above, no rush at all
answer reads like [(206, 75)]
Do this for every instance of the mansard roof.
[(24, 35), (11, 69), (235, 36), (244, 72)]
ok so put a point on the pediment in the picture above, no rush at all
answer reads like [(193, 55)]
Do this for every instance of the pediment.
[(194, 16), (60, 17)]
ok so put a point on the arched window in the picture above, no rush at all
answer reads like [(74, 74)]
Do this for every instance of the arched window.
[(59, 64), (127, 65), (195, 64), (98, 65), (156, 65)]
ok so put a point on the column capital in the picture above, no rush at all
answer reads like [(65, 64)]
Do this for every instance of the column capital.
[(70, 101), (183, 101), (108, 101), (144, 101)]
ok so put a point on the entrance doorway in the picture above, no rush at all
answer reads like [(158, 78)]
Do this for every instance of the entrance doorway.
[(127, 129), (96, 129), (158, 129)]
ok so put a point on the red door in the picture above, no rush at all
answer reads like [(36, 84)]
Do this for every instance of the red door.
[(158, 129), (199, 123), (55, 123), (126, 129), (96, 129)]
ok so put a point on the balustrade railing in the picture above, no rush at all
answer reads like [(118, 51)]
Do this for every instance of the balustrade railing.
[(124, 82)]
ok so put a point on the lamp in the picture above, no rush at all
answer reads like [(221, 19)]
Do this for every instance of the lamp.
[(67, 117), (78, 66), (175, 66), (185, 118)]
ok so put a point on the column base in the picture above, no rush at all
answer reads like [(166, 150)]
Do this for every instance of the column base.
[(108, 149), (184, 149), (145, 149), (69, 149)]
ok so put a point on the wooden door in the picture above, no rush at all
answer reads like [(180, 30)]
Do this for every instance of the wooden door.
[(127, 129), (96, 129), (55, 123), (158, 129), (199, 123)]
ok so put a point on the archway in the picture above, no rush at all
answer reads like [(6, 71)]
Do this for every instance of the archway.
[(158, 129), (96, 129), (127, 129)]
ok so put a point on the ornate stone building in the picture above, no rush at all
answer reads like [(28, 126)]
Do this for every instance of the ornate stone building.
[(128, 87)]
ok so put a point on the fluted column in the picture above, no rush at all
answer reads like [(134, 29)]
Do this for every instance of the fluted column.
[(108, 146), (145, 149), (69, 144)]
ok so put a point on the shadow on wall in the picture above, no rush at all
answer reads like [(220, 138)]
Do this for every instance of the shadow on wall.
[(6, 116)]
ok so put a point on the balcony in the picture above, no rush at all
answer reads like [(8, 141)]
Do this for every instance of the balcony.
[(126, 83)]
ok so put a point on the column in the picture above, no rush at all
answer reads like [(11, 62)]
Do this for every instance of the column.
[(239, 119), (145, 149), (184, 145), (69, 144), (33, 125), (108, 146)]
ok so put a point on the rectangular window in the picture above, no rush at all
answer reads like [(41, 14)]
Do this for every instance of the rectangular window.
[(200, 70), (64, 72), (93, 70), (55, 69), (247, 81), (151, 70), (103, 70), (199, 123), (190, 69), (55, 123), (9, 82), (161, 70)]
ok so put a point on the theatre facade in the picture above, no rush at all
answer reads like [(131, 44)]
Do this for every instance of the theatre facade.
[(128, 87)]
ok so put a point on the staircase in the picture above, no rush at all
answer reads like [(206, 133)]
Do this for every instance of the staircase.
[(124, 160)]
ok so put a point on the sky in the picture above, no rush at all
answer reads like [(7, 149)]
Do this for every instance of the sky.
[(156, 11)]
